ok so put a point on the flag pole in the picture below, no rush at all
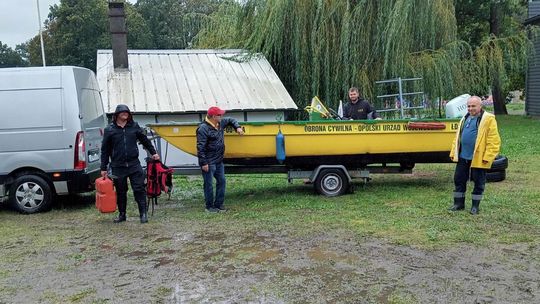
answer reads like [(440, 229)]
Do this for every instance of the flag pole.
[(40, 34)]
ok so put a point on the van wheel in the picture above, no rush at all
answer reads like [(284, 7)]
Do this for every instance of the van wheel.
[(30, 194), (331, 182)]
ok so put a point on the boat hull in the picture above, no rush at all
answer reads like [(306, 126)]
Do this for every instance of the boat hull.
[(340, 142)]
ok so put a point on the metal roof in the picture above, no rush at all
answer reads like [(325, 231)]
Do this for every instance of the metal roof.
[(179, 81)]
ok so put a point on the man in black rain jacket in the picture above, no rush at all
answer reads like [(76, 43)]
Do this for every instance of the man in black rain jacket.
[(120, 146)]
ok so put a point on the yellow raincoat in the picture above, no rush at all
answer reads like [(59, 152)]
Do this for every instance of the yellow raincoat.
[(488, 142)]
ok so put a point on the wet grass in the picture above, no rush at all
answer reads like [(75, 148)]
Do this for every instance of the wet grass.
[(405, 209)]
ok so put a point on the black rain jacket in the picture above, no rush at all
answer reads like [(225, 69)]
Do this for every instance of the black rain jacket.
[(362, 109), (120, 145), (211, 142)]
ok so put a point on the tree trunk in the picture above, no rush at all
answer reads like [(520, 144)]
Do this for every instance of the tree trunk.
[(499, 104)]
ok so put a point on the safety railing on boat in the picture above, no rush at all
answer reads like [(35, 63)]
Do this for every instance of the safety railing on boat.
[(401, 104)]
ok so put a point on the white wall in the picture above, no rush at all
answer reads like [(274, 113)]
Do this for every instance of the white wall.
[(266, 116)]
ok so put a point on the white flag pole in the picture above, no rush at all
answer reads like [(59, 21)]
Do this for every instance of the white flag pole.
[(40, 34)]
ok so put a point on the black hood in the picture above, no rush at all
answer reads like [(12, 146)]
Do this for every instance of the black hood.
[(119, 109)]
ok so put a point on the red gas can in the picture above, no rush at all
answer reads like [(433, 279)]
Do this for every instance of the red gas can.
[(105, 195)]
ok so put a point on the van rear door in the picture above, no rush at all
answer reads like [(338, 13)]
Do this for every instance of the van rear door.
[(92, 117)]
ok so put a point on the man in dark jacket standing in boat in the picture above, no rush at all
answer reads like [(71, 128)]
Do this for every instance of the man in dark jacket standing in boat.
[(475, 147), (120, 146), (210, 151), (357, 107)]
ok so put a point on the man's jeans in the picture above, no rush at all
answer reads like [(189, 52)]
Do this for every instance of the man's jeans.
[(216, 171), (461, 176)]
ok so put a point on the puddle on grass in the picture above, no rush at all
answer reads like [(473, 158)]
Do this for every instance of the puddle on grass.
[(135, 254), (168, 251), (106, 246), (184, 237), (162, 261), (321, 255), (162, 239), (125, 273), (381, 272), (148, 236), (214, 237), (265, 256), (287, 271)]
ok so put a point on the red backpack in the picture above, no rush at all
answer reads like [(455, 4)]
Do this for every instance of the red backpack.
[(158, 179)]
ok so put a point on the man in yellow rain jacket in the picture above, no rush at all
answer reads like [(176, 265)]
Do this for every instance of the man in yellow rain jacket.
[(475, 147)]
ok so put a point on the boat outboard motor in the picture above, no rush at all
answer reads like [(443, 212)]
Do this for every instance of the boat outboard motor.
[(280, 147)]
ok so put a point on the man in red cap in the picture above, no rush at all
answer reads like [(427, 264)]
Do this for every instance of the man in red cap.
[(210, 151)]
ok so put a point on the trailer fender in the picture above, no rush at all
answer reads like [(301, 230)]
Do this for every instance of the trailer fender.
[(317, 170)]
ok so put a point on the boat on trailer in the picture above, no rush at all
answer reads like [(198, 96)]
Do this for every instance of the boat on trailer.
[(326, 152), (311, 143)]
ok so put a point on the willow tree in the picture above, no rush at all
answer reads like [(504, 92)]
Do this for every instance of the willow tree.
[(174, 23), (322, 47)]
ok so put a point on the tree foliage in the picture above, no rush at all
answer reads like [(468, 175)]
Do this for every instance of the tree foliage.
[(473, 17), (483, 22), (75, 30), (322, 47), (9, 57), (174, 23)]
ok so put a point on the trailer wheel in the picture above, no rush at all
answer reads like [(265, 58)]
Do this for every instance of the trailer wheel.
[(331, 182), (30, 194)]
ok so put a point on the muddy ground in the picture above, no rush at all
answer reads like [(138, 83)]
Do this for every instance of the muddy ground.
[(75, 255)]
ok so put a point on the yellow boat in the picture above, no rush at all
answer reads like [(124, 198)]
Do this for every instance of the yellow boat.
[(311, 143)]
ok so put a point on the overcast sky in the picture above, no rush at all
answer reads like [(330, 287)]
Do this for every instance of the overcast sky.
[(19, 19)]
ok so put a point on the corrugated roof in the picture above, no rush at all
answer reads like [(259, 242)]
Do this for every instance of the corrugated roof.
[(177, 81)]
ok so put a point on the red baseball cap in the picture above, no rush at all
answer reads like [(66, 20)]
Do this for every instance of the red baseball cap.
[(213, 111)]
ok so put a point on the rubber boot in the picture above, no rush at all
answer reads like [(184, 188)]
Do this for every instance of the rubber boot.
[(459, 204), (121, 218), (121, 211), (475, 209), (143, 214)]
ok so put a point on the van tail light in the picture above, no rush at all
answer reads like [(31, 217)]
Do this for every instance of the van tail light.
[(101, 132), (80, 152)]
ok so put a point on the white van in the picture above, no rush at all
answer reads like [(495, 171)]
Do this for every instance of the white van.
[(51, 126)]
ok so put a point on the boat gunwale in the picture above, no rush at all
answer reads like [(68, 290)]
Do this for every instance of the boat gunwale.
[(305, 122)]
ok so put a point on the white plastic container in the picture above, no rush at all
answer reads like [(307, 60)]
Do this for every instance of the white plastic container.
[(457, 107)]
